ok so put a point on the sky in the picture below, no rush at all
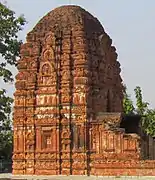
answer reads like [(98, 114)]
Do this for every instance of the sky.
[(130, 24)]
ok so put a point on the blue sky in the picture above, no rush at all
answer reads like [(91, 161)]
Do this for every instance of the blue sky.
[(129, 23)]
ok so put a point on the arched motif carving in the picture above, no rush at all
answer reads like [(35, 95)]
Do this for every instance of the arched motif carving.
[(66, 134), (33, 65), (46, 69), (30, 140), (65, 74), (48, 54), (50, 39)]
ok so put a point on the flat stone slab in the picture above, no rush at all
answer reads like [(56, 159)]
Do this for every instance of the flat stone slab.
[(35, 177)]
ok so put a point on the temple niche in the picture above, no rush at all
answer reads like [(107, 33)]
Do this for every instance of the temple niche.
[(68, 101)]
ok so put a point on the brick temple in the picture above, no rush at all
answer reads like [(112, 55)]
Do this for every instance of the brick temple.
[(68, 102)]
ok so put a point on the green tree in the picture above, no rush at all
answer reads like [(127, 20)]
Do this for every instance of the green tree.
[(127, 103), (10, 25), (142, 109), (141, 106), (149, 122), (148, 115), (5, 130)]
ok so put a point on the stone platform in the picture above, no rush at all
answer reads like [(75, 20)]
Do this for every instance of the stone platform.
[(34, 177)]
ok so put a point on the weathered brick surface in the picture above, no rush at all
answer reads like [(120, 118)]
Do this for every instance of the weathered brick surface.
[(69, 77)]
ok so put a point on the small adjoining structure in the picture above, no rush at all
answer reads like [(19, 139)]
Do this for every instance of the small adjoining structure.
[(68, 102)]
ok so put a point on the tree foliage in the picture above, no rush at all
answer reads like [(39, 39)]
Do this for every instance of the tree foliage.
[(5, 130), (127, 103), (142, 109), (10, 25), (142, 106), (9, 43)]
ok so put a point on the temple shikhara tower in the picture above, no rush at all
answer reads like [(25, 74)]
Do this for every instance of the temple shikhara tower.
[(68, 101)]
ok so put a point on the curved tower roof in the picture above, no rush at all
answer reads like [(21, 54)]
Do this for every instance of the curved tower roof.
[(66, 18)]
